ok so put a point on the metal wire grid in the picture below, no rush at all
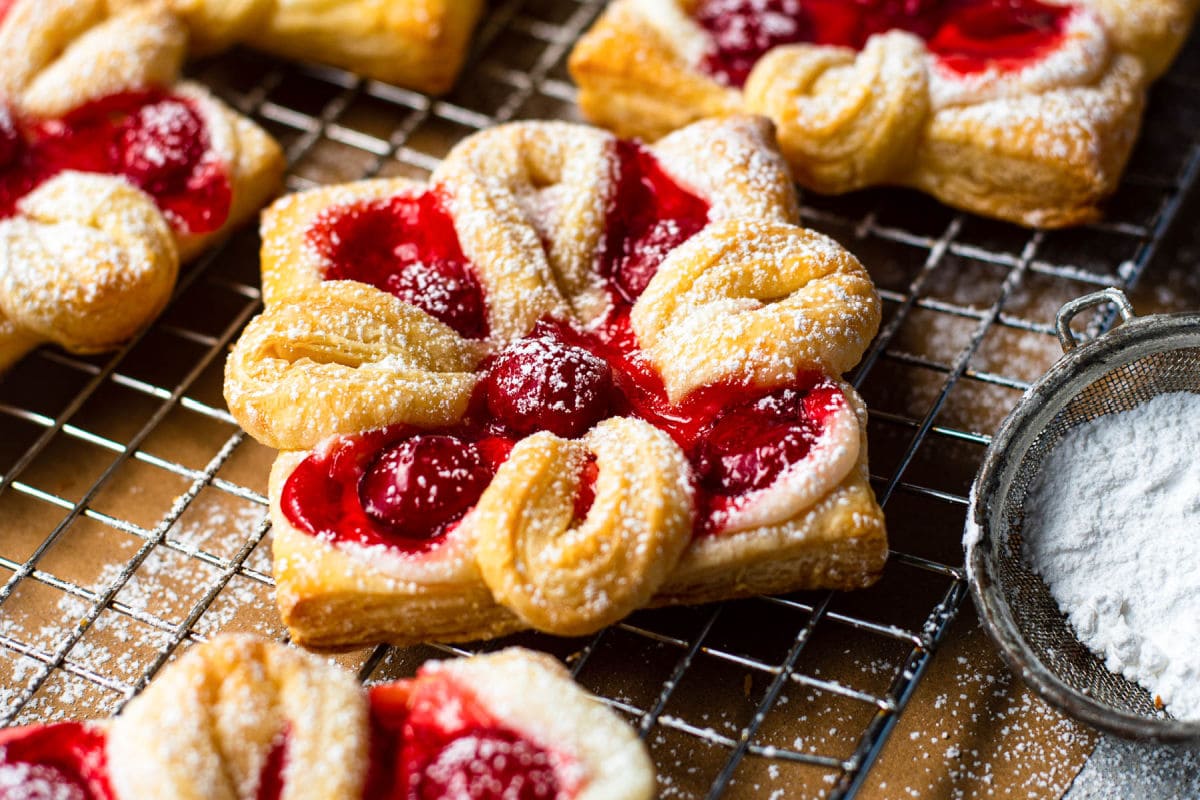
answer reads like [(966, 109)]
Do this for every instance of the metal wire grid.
[(951, 284)]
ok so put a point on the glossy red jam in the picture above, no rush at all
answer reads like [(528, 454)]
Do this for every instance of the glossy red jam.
[(649, 215), (587, 488), (406, 246), (64, 761), (967, 35), (408, 488), (738, 438), (431, 739), (158, 141), (5, 7), (397, 486), (423, 483), (270, 782)]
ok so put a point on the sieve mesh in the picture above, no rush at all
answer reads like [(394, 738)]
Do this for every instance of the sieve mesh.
[(1138, 362)]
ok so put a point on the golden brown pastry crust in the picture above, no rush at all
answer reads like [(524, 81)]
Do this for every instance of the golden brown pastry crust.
[(205, 727), (100, 253), (336, 596), (419, 44), (208, 727), (1040, 147), (529, 206)]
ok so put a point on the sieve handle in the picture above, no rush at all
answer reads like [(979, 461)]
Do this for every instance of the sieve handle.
[(1071, 309)]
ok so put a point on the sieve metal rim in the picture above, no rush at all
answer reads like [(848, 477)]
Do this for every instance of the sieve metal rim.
[(1080, 364)]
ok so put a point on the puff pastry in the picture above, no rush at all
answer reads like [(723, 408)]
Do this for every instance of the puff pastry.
[(110, 172), (419, 44), (1024, 110), (240, 717), (574, 377)]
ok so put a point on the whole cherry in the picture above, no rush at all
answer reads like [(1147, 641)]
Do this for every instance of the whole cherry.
[(542, 384), (748, 447), (487, 765), (423, 483), (160, 145)]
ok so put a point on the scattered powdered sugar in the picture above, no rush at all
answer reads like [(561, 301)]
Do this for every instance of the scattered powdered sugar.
[(165, 588), (1120, 769), (1111, 525)]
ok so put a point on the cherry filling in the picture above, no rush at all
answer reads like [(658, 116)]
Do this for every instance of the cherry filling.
[(406, 246), (158, 141), (967, 35), (422, 484), (542, 383), (739, 439), (587, 488), (748, 447), (408, 488), (64, 761), (649, 215), (10, 138), (396, 486), (431, 739), (271, 780)]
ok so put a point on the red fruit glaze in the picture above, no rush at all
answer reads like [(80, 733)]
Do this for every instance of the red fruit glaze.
[(433, 740), (5, 7), (540, 383), (967, 35), (587, 488), (53, 762), (649, 215), (420, 485), (159, 142), (406, 246), (10, 138), (271, 781), (160, 145), (558, 378), (396, 486), (738, 438)]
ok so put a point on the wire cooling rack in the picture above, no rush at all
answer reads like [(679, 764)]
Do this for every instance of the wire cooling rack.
[(132, 509)]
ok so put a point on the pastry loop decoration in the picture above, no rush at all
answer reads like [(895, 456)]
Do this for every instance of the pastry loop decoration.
[(847, 120), (230, 708), (755, 302), (571, 577), (88, 261), (47, 46), (343, 358), (528, 204)]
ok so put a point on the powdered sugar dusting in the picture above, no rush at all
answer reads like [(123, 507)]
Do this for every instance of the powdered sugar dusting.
[(1110, 526)]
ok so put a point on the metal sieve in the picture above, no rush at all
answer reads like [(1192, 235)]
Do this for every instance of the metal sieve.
[(1117, 371)]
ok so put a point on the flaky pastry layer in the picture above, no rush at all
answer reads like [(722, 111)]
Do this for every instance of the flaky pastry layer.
[(336, 596), (419, 44), (1041, 146)]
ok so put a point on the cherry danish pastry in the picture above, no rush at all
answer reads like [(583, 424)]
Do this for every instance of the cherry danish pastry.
[(111, 171), (240, 718), (420, 44), (572, 377), (1025, 110)]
